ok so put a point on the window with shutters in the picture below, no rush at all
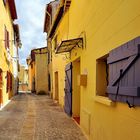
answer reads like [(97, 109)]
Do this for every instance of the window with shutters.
[(9, 82), (102, 76), (124, 77), (7, 86)]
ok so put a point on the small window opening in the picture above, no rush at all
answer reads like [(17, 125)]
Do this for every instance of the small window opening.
[(102, 76)]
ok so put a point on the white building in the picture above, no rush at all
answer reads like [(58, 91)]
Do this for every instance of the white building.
[(15, 57)]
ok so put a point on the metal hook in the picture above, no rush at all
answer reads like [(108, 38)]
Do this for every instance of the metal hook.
[(130, 105)]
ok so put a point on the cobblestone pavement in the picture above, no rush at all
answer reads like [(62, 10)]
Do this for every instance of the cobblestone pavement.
[(32, 117)]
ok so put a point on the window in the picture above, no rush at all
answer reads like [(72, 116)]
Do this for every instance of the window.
[(102, 76)]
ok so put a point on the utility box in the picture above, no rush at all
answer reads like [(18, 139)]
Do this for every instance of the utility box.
[(82, 80)]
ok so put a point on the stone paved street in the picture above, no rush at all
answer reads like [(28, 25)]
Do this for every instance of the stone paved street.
[(31, 117)]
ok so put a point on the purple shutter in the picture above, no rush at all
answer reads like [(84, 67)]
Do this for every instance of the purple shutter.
[(124, 77), (68, 89)]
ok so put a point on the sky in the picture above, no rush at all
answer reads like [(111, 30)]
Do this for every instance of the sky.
[(31, 15)]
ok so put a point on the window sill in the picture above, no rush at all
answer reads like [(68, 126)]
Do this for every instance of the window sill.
[(103, 100)]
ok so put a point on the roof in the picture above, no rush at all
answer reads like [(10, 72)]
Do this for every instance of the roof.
[(63, 7), (33, 52), (47, 11), (12, 8), (58, 17), (49, 14)]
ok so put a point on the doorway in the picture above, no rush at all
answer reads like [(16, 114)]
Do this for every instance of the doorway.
[(76, 90), (1, 98), (68, 89), (56, 86)]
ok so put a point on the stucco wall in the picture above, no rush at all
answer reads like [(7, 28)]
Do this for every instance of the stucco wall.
[(41, 72), (104, 25), (5, 21)]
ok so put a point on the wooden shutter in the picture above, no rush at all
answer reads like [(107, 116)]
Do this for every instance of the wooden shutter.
[(10, 81), (7, 86), (5, 37), (0, 78), (6, 34), (1, 99), (124, 69), (68, 89)]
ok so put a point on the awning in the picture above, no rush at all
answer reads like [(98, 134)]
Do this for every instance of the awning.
[(68, 45)]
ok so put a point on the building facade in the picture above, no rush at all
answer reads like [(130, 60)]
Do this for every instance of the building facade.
[(99, 79), (15, 59), (23, 79), (56, 62), (38, 70), (9, 38)]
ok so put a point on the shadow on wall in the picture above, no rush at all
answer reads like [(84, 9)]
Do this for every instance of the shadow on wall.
[(42, 92)]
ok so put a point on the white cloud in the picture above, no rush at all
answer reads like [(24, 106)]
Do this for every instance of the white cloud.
[(31, 19)]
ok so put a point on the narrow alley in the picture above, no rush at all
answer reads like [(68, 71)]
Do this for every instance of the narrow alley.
[(69, 70), (36, 117)]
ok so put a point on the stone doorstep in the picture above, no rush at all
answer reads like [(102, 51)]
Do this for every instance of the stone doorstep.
[(28, 125), (27, 130), (26, 137)]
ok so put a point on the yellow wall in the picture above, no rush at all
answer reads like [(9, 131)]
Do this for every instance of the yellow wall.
[(5, 20), (29, 78), (104, 25), (21, 74), (76, 88), (31, 73), (58, 65), (41, 72)]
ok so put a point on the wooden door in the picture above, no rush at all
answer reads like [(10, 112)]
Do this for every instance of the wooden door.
[(68, 89), (56, 86), (1, 87)]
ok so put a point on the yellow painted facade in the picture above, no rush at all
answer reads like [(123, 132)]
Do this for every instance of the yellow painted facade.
[(103, 25), (23, 79), (38, 70), (21, 74), (6, 22), (31, 73), (58, 66)]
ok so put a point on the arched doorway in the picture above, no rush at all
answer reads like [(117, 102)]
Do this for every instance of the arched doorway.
[(1, 100)]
